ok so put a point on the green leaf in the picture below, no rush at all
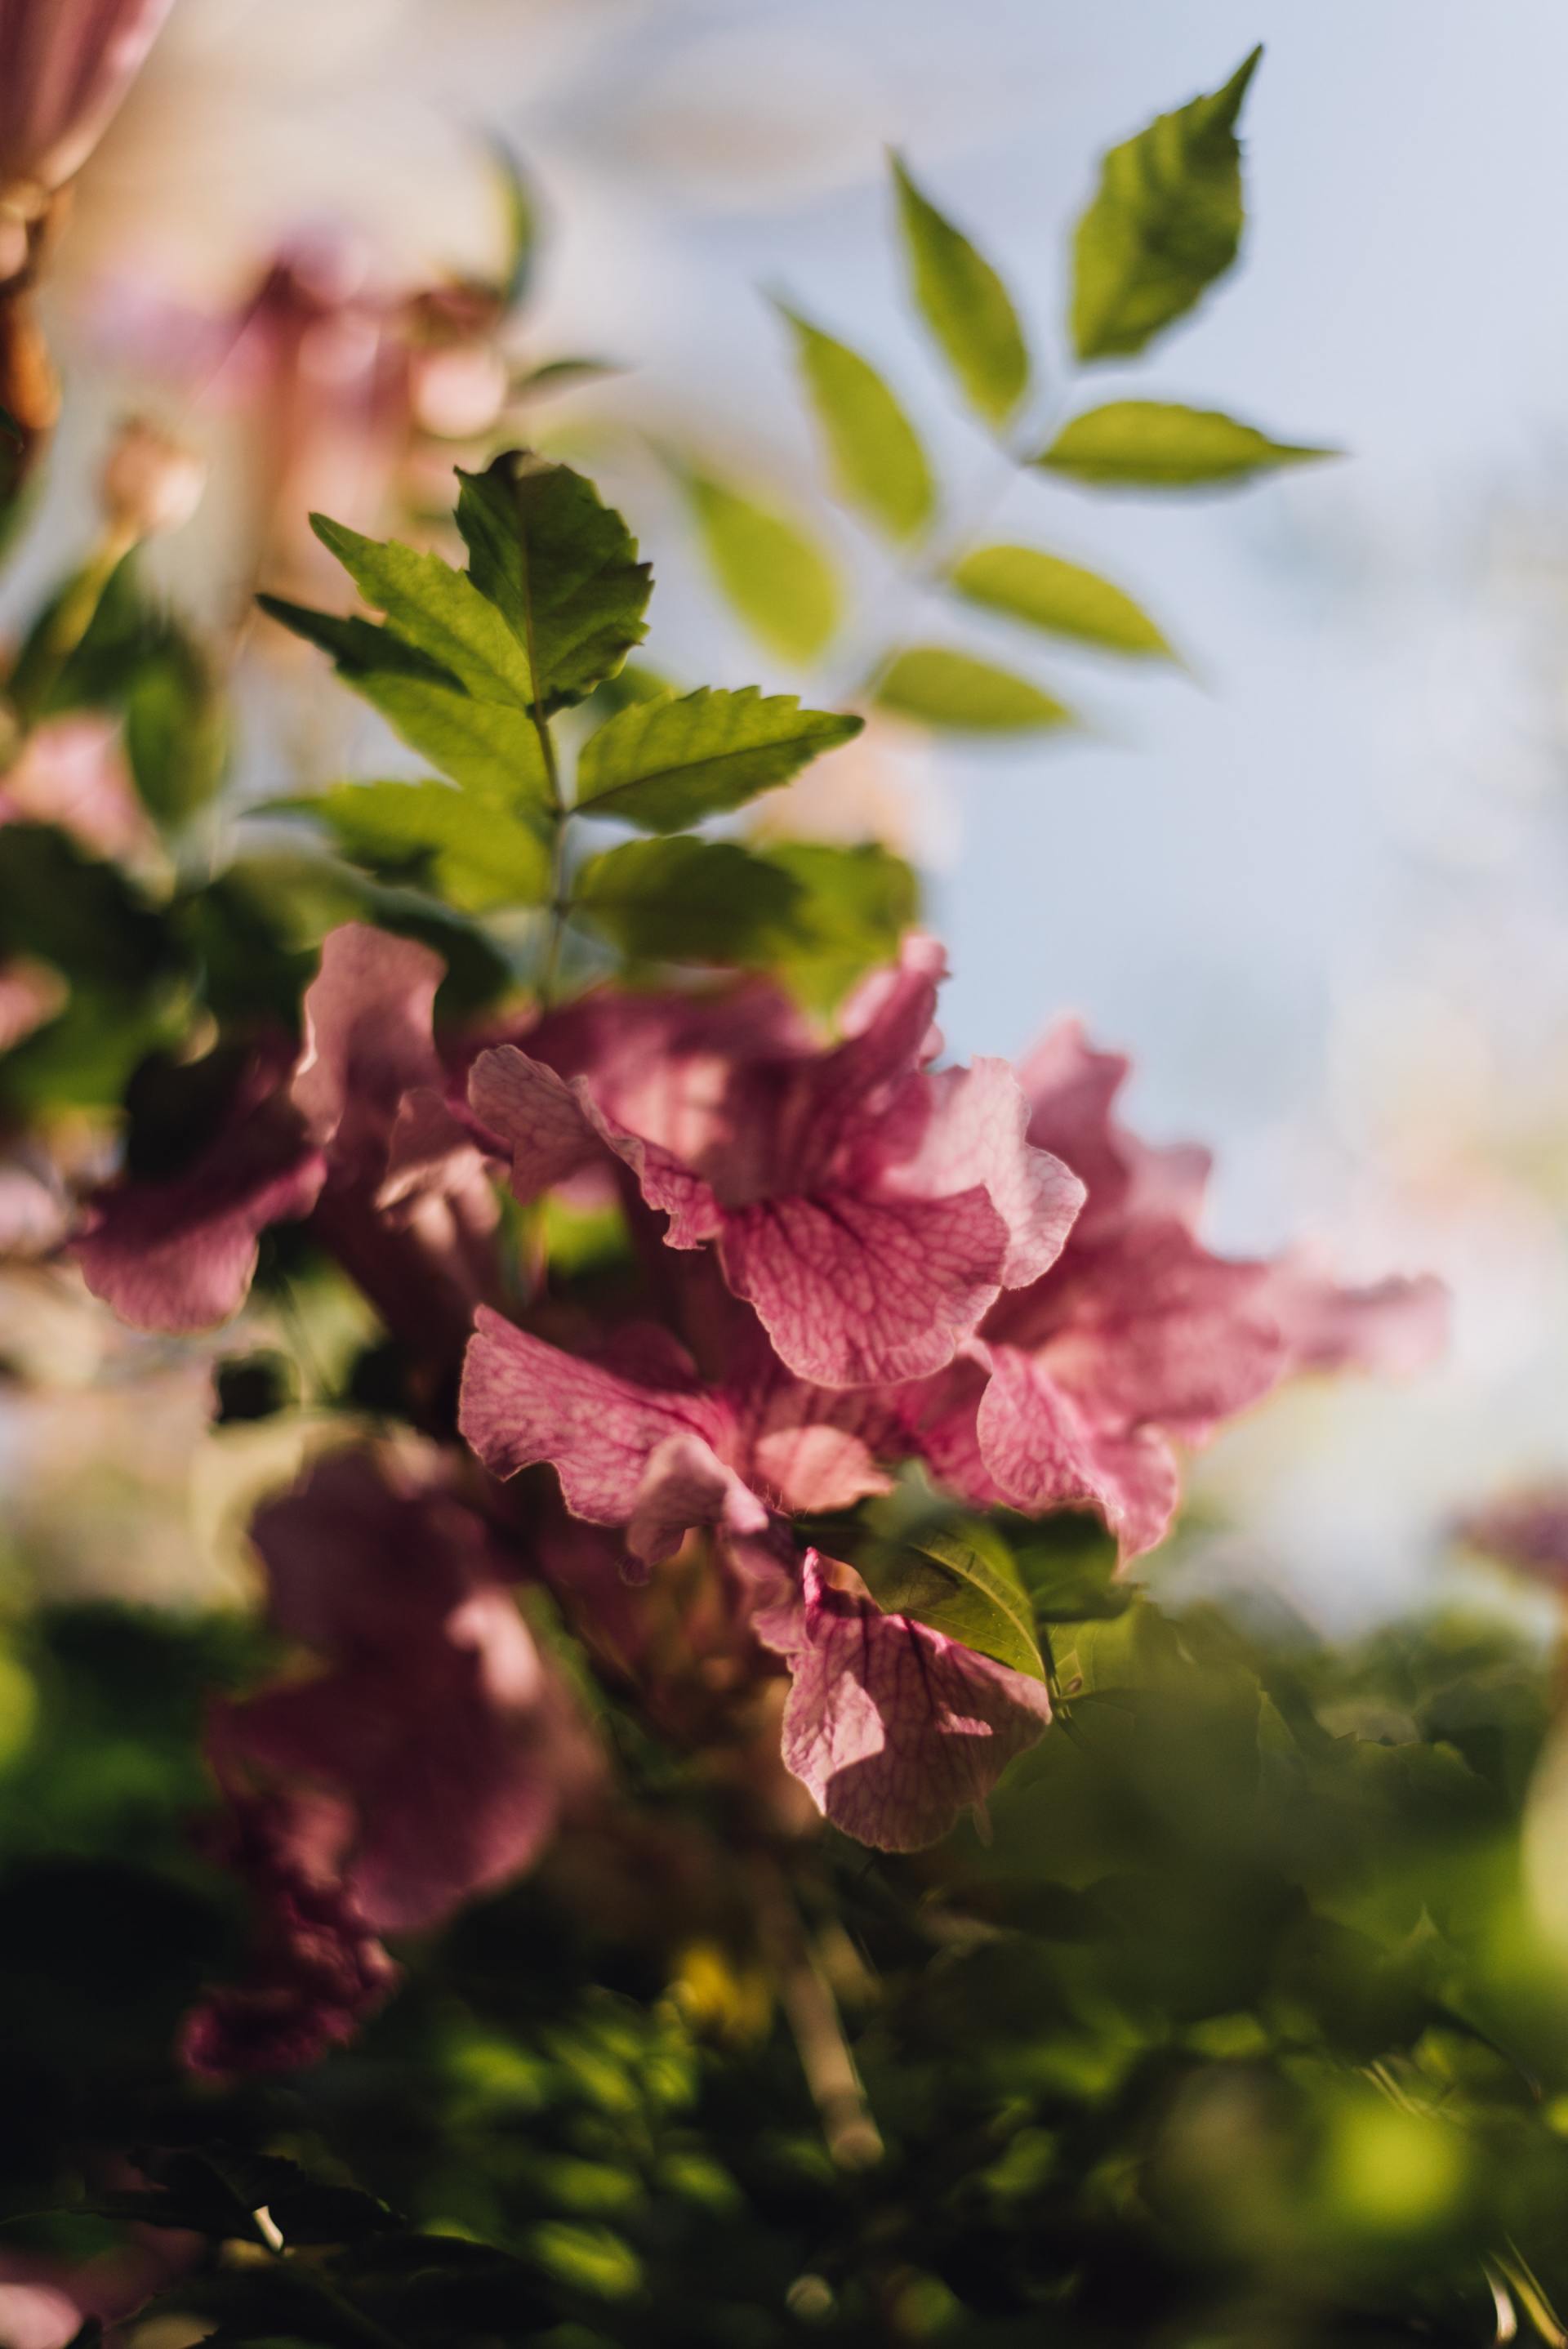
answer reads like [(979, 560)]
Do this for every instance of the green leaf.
[(663, 765), (780, 583), (560, 568), (439, 611), (878, 466), (1165, 222), (561, 375), (490, 748), (964, 303), (176, 732), (521, 217), (354, 643), (963, 1585), (685, 900), (472, 854), (1150, 444), (9, 426), (1060, 597), (855, 904), (966, 695)]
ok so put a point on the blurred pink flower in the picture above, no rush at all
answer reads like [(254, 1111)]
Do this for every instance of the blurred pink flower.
[(72, 773), (64, 66), (353, 1130), (1139, 1337), (1527, 1530)]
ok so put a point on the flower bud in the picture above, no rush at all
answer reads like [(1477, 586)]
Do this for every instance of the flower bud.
[(151, 482)]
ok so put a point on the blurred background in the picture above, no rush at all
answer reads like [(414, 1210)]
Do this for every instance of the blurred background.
[(1313, 880)]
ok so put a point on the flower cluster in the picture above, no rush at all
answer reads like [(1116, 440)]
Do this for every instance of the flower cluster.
[(850, 1259)]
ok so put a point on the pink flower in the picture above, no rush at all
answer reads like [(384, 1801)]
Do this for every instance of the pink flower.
[(639, 1440), (1139, 1337), (353, 1129), (870, 1210), (64, 66), (317, 1970), (434, 1722), (893, 1728)]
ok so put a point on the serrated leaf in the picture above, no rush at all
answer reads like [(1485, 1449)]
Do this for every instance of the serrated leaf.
[(963, 1585), (685, 900), (965, 696), (964, 303), (663, 765), (878, 465), (779, 580), (1165, 222), (558, 566), (471, 854), (855, 904), (490, 747), (1152, 444), (1060, 597), (439, 611)]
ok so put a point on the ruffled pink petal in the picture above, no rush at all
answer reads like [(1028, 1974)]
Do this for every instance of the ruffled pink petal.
[(367, 1041), (181, 1255), (866, 1292), (542, 1120), (684, 1484), (1072, 1090), (431, 1152), (1392, 1328), (974, 1136), (1148, 1326), (524, 1401), (893, 1728), (1046, 1452)]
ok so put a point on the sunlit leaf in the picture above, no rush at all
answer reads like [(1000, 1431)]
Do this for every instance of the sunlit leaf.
[(439, 611), (878, 466), (472, 854), (964, 303), (1150, 444), (685, 900), (1165, 221), (955, 691), (559, 567), (965, 1585), (492, 747), (1060, 597), (779, 580), (663, 765), (561, 375)]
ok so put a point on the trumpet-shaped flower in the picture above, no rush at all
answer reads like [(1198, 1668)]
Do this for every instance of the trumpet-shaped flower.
[(872, 1211)]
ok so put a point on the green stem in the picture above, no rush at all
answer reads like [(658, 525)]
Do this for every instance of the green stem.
[(560, 812)]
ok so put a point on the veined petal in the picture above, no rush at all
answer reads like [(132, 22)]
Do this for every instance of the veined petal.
[(523, 1402), (857, 1291), (1047, 1452), (893, 1728)]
